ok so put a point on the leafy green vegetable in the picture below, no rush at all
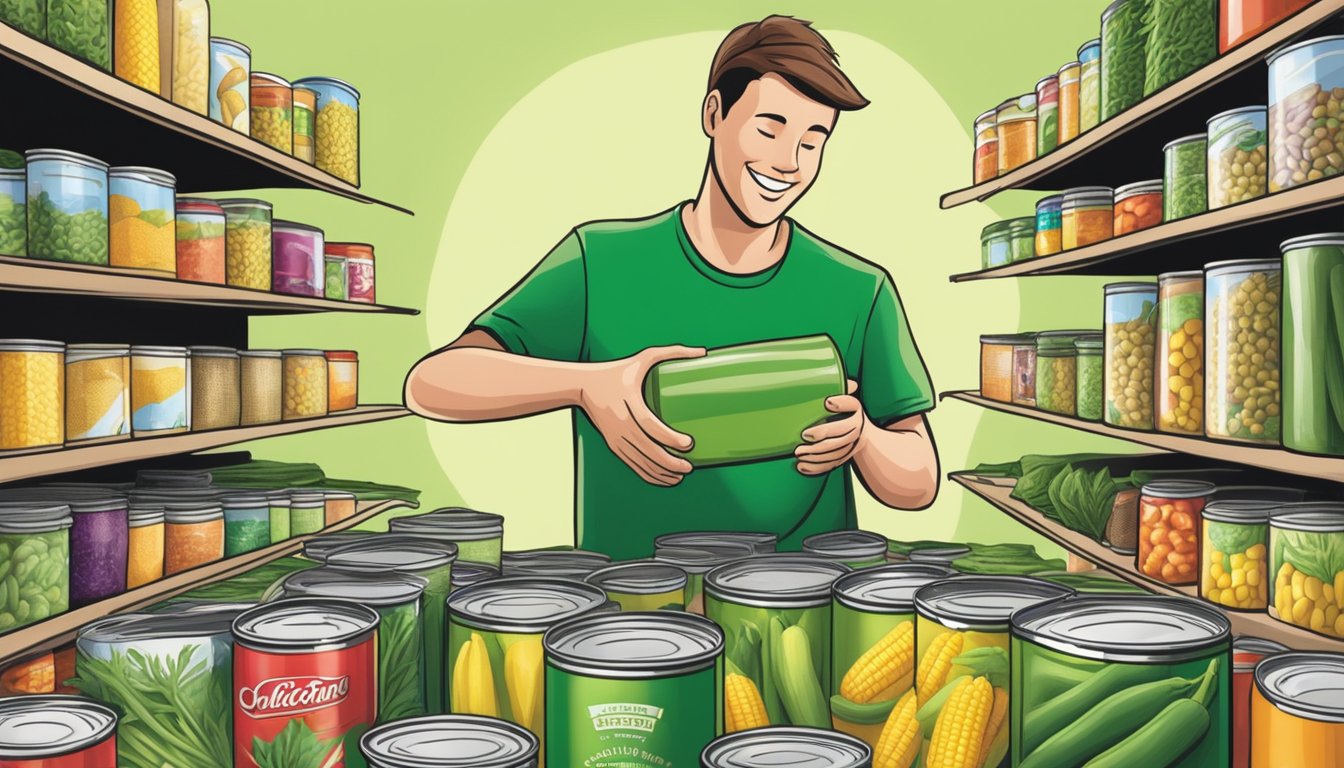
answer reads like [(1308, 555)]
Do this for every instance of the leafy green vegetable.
[(1007, 469), (401, 692), (1082, 500), (296, 746), (1235, 538), (1316, 554), (986, 661)]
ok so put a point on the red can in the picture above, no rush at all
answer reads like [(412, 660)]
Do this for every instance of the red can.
[(1246, 653), (304, 675), (56, 732)]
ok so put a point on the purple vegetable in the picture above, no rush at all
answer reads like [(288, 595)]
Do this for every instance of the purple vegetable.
[(98, 551)]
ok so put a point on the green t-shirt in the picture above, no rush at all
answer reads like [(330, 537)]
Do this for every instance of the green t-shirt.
[(611, 289)]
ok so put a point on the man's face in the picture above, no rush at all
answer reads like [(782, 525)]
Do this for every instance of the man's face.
[(767, 150)]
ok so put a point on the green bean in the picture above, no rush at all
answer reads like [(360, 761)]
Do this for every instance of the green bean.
[(1182, 37), (28, 16), (1123, 38), (1055, 715), (1166, 738), (81, 28)]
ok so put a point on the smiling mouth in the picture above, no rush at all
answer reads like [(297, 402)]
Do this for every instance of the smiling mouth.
[(771, 184)]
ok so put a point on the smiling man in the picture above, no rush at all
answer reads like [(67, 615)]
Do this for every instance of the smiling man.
[(614, 298)]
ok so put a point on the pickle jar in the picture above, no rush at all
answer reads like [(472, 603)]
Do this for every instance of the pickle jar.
[(67, 207), (1047, 114), (305, 107), (32, 394), (1089, 85), (304, 384), (1049, 225), (1087, 216), (1243, 394), (1131, 324), (13, 212), (142, 233), (1185, 182), (215, 388), (1068, 101), (1234, 560), (230, 84), (272, 105), (1138, 206), (1179, 389), (1304, 544), (336, 127), (1057, 372), (1297, 711), (986, 147), (1306, 89), (191, 55), (1024, 369), (1238, 156), (1169, 527), (1016, 126), (1090, 376), (247, 243), (200, 241)]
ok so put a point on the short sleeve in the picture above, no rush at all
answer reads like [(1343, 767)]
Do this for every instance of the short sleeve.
[(893, 382), (543, 315)]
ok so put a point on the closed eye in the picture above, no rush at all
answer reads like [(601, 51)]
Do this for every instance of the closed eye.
[(809, 146), (765, 133)]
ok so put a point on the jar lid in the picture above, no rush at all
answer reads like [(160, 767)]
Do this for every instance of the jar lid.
[(1059, 340), (192, 513), (231, 43), (450, 741), (985, 116), (244, 501), (522, 604), (1235, 266), (1017, 227), (466, 573), (143, 173), (30, 345), (1151, 187), (1290, 47), (640, 645), (1005, 339), (303, 353), (1303, 518), (212, 352), (198, 205), (376, 589), (1177, 489), (78, 353), (846, 546), (1129, 629), (334, 258), (350, 250), (983, 603), (259, 353), (243, 202), (1309, 685), (306, 499), (1094, 43), (1091, 344), (1051, 202), (1047, 80), (281, 225), (1191, 139), (1177, 277), (66, 156), (1269, 493), (342, 356), (639, 578), (772, 747), (13, 174), (1119, 288), (268, 79), (303, 625), (1239, 111), (886, 588), (1086, 193), (782, 580), (336, 493), (994, 230), (50, 727), (22, 518), (1070, 65), (141, 516), (310, 81), (155, 351), (1238, 512)]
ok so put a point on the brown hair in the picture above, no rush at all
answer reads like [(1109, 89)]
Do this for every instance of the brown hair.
[(787, 47)]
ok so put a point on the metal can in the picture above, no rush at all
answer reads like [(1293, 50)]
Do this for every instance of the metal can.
[(771, 747), (698, 560), (321, 546), (759, 543), (479, 536), (1246, 654), (56, 732), (574, 564), (466, 574), (1297, 711), (632, 689), (450, 741), (306, 668), (939, 555), (857, 549), (642, 586), (873, 610)]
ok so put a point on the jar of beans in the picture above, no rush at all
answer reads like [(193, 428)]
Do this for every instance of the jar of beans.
[(1131, 322), (1169, 524), (1243, 386)]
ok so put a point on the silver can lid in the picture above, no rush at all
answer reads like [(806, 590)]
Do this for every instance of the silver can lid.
[(1178, 489), (466, 573), (303, 625), (1238, 512), (322, 545), (143, 173), (374, 589), (1309, 685), (40, 727), (887, 588), (846, 545), (775, 581), (132, 628), (782, 747), (1332, 239), (450, 741), (571, 556), (1302, 518), (1127, 629), (643, 644), (522, 604), (702, 558), (452, 523), (757, 541), (639, 578), (392, 552), (191, 513), (983, 602)]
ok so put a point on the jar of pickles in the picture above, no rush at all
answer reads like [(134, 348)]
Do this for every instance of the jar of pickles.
[(215, 383), (141, 208), (13, 212), (32, 394), (191, 55), (986, 147), (1185, 182), (200, 240), (1047, 114), (1016, 125), (1131, 324), (1087, 216), (1050, 225), (305, 107), (1306, 89), (247, 237), (272, 105), (230, 84), (342, 380), (1305, 545), (1024, 369), (359, 283), (1068, 101), (1234, 570), (1238, 168), (1088, 349), (1138, 206), (337, 268), (1089, 85), (297, 266), (1057, 372), (337, 127), (1243, 386), (67, 207), (1169, 523), (1180, 353), (305, 384), (261, 373), (996, 367)]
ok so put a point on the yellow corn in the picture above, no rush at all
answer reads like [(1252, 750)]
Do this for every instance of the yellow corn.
[(961, 726), (998, 713), (523, 676), (937, 661), (744, 707), (473, 690), (881, 667), (136, 42), (899, 744)]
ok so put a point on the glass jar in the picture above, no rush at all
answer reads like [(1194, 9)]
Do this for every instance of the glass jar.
[(247, 523), (986, 147), (278, 504), (296, 266), (67, 207), (1238, 156), (98, 548), (1124, 35), (193, 535), (1057, 372), (1068, 101), (1185, 185), (1047, 114), (1313, 360), (307, 513), (160, 391), (1234, 563), (144, 561), (1131, 324), (1089, 376), (230, 84), (1138, 206), (1180, 353), (247, 240), (1015, 123), (200, 240), (338, 506), (44, 528), (1089, 85), (305, 107), (97, 393), (83, 29), (1181, 38), (1304, 544), (359, 269), (1243, 391), (1241, 20), (1169, 523), (305, 384), (1087, 216), (13, 212), (996, 367), (1297, 720), (1306, 86), (1049, 226), (27, 16), (191, 55), (994, 247), (1024, 370), (342, 380), (32, 394), (215, 388), (261, 385), (135, 43), (337, 126), (272, 105), (337, 269), (141, 209)]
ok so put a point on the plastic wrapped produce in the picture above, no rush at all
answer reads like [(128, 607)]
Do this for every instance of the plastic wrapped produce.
[(1182, 37), (1124, 36), (1306, 88), (986, 147), (82, 28), (191, 55), (1244, 392), (1238, 157), (1131, 325), (1016, 126), (67, 207), (1047, 114), (1185, 184), (135, 50), (1180, 353), (1089, 85), (1313, 344), (337, 127)]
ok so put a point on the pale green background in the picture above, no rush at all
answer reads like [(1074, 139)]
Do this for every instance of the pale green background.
[(503, 124)]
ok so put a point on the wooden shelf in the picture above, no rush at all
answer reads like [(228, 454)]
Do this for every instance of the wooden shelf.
[(1253, 229), (72, 459), (70, 104), (61, 629), (1128, 147), (996, 491)]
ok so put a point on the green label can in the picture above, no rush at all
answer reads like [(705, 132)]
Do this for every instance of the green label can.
[(780, 747), (856, 549), (697, 560), (643, 586), (630, 690)]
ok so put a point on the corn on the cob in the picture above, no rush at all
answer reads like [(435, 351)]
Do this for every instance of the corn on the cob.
[(961, 726), (899, 744), (882, 666), (937, 662), (523, 676), (744, 707), (135, 26), (473, 680), (998, 713)]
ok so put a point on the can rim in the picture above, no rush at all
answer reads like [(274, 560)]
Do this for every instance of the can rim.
[(1047, 79), (231, 42), (772, 598), (926, 598), (324, 80), (844, 590), (1237, 111), (1243, 265), (459, 612), (49, 153), (795, 739), (1130, 287), (245, 634), (1318, 521), (860, 544), (1305, 241), (1271, 665), (416, 553), (384, 589), (1186, 140), (102, 721), (693, 628), (1238, 512), (302, 353), (1177, 489), (1292, 46), (243, 202), (270, 79), (376, 744), (1257, 645), (207, 351), (623, 578), (1000, 339), (144, 173), (259, 353), (1069, 65), (158, 351), (1026, 624), (285, 225), (1181, 275), (1056, 200), (986, 115), (30, 345), (1127, 191)]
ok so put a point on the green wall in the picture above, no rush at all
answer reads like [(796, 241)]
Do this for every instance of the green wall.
[(502, 124)]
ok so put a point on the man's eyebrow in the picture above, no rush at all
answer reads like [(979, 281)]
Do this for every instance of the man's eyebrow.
[(777, 118), (821, 129)]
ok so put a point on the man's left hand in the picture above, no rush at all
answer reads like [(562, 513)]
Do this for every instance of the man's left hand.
[(829, 445)]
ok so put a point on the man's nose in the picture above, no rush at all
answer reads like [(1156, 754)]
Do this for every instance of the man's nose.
[(786, 162)]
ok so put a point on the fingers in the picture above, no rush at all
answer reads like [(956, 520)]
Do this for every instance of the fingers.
[(657, 430), (835, 449), (843, 404), (829, 429), (654, 355), (851, 386), (813, 470), (642, 466), (655, 453)]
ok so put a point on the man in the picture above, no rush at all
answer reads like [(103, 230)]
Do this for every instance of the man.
[(614, 298)]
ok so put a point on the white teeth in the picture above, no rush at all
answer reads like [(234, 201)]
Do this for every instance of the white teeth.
[(773, 185)]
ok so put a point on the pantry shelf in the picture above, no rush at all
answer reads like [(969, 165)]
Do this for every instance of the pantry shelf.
[(77, 106), (59, 630), (1128, 147), (72, 459), (996, 492)]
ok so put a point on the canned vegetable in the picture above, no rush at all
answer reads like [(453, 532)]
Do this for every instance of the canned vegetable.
[(857, 549), (450, 741), (56, 731), (771, 747), (479, 536), (1246, 654), (1297, 711), (642, 586)]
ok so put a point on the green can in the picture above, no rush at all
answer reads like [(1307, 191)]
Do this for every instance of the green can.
[(748, 402), (643, 585), (450, 741), (466, 574), (280, 525), (759, 543), (857, 549), (776, 611), (307, 513), (696, 562), (575, 564), (479, 536), (778, 747), (1313, 344), (494, 645), (633, 690), (873, 612)]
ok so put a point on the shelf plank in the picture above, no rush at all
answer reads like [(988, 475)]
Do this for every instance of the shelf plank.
[(1248, 623), (1251, 229), (62, 460), (61, 629), (1131, 142), (74, 105), (32, 276)]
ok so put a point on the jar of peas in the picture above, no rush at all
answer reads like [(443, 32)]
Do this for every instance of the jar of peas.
[(1243, 386), (1057, 371), (1088, 397), (1131, 324)]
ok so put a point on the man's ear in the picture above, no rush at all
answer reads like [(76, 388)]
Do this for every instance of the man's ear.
[(711, 116)]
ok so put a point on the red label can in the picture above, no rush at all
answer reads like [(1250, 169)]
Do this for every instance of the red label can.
[(305, 685), (1246, 653), (56, 732)]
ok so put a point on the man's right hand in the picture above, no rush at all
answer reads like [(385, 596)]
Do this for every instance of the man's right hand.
[(613, 398)]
